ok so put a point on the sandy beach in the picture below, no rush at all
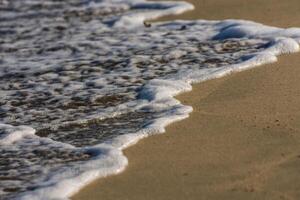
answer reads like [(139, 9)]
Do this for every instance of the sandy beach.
[(271, 12), (242, 141)]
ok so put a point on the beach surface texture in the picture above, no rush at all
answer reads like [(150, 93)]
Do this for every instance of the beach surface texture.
[(242, 140), (81, 81)]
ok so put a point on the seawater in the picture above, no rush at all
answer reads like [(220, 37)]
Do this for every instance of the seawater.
[(80, 80)]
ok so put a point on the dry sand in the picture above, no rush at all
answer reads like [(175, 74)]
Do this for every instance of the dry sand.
[(241, 142), (280, 13)]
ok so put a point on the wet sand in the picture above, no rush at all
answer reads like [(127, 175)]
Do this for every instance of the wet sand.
[(241, 142)]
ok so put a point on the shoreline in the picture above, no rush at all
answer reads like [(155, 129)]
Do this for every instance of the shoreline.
[(219, 101)]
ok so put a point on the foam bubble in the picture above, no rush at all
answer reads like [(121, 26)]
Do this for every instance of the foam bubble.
[(82, 80), (11, 134)]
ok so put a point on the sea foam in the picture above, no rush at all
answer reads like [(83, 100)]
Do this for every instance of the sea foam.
[(82, 80)]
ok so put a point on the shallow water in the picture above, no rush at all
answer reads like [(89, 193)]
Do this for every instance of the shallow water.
[(83, 73)]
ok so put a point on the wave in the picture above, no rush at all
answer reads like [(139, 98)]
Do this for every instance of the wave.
[(82, 80)]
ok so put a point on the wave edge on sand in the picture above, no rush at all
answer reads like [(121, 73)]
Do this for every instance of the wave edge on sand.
[(252, 43)]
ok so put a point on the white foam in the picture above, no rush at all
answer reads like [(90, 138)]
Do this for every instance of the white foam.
[(160, 93), (157, 95), (167, 8), (64, 183), (11, 134)]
